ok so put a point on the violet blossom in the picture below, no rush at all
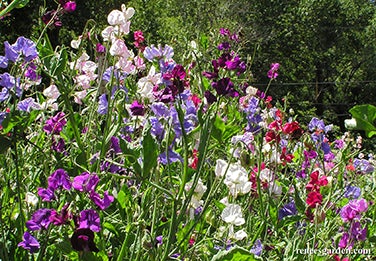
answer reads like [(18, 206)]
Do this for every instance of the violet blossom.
[(29, 243)]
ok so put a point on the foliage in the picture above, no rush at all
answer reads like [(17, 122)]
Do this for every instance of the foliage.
[(114, 149)]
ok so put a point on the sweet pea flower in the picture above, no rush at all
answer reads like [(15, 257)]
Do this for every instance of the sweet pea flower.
[(59, 178), (29, 243), (232, 214), (353, 209), (237, 180), (40, 219), (85, 182), (83, 240), (89, 219)]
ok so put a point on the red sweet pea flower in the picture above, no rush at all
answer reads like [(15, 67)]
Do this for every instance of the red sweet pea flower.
[(315, 183), (293, 129), (314, 198)]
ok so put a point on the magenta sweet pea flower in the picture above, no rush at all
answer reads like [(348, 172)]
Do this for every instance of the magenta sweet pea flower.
[(85, 182), (353, 209), (273, 72), (29, 243), (102, 203)]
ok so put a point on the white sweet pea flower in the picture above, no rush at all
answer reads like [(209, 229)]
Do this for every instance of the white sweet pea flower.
[(75, 44), (199, 191), (51, 92), (232, 214), (116, 17), (220, 167), (275, 189), (118, 48), (146, 84), (266, 175), (31, 199), (237, 180), (239, 235), (78, 96)]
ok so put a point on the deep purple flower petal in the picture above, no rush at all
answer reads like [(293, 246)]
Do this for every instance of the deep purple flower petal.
[(90, 219), (29, 243)]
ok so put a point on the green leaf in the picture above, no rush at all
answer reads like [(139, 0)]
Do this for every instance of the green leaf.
[(365, 116), (124, 197), (218, 129), (149, 153), (236, 253)]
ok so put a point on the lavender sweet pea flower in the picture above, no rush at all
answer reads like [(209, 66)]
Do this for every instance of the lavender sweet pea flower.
[(363, 165), (157, 129), (257, 248), (352, 192), (172, 157), (89, 219), (22, 47), (3, 62), (103, 104), (7, 80), (160, 110), (59, 178), (40, 219), (4, 94), (28, 104), (29, 243)]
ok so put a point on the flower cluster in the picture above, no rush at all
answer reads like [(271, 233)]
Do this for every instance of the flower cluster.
[(88, 220)]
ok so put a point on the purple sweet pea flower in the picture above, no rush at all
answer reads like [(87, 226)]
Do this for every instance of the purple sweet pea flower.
[(101, 203), (357, 232), (3, 62), (353, 209), (55, 124), (23, 47), (257, 248), (62, 218), (46, 194), (103, 104), (344, 240), (352, 192), (172, 157), (59, 178), (287, 210), (89, 219), (273, 72), (159, 240), (28, 104), (85, 182), (225, 87), (29, 243), (83, 240), (40, 219)]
